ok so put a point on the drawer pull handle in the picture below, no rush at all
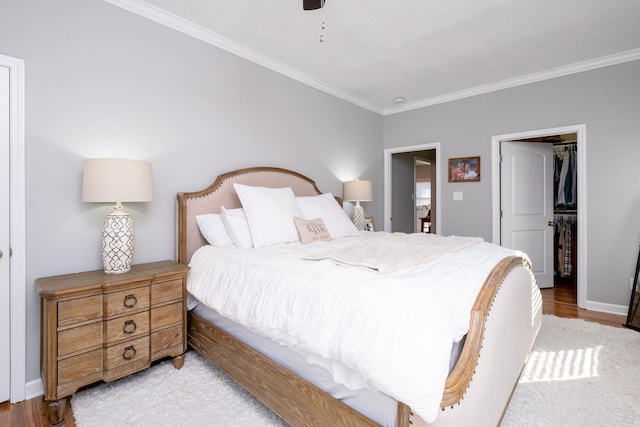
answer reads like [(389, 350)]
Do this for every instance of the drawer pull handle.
[(129, 353), (129, 327), (130, 301)]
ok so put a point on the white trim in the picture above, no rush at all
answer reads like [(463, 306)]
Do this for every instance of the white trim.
[(17, 215), (388, 152), (35, 388), (581, 130), (621, 310), (191, 29), (578, 67)]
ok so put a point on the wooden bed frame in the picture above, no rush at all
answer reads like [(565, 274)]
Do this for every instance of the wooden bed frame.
[(504, 322)]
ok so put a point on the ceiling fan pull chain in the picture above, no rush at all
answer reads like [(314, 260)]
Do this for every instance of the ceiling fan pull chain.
[(315, 5), (322, 26)]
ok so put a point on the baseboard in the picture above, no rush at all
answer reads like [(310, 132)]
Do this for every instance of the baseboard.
[(34, 388), (607, 308)]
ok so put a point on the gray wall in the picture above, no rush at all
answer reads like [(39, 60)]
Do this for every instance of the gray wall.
[(103, 82), (607, 101)]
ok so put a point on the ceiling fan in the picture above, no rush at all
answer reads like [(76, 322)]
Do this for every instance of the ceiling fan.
[(312, 4)]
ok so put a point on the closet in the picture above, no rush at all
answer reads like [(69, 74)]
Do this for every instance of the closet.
[(565, 213), (565, 219)]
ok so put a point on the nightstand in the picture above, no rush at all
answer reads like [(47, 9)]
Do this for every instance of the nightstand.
[(101, 327)]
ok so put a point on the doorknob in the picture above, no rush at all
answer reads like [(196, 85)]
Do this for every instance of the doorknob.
[(1, 253), (551, 223)]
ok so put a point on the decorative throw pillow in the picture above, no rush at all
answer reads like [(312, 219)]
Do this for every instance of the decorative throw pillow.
[(326, 207), (235, 222), (311, 230), (213, 229), (270, 213)]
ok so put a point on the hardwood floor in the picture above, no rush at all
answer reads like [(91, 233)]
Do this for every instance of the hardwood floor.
[(562, 303), (559, 301), (30, 413)]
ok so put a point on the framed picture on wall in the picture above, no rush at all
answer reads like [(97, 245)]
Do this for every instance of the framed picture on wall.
[(464, 169)]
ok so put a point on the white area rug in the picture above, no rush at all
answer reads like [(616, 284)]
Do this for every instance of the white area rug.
[(579, 374), (197, 395)]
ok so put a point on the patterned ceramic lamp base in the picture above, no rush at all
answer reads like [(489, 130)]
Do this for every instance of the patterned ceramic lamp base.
[(117, 243), (357, 216)]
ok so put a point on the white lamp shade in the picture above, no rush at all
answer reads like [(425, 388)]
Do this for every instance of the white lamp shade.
[(117, 180), (357, 191)]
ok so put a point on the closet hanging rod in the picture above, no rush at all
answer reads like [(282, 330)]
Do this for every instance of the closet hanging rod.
[(565, 143)]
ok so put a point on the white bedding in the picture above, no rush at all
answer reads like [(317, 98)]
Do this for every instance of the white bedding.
[(393, 252), (342, 313)]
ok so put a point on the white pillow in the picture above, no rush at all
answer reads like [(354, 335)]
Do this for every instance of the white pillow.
[(235, 222), (326, 207), (213, 229), (270, 213)]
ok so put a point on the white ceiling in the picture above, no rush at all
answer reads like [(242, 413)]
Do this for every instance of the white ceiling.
[(426, 51)]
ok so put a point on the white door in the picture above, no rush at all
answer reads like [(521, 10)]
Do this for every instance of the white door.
[(526, 181), (5, 324)]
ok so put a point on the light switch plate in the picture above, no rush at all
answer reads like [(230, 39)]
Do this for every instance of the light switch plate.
[(457, 195)]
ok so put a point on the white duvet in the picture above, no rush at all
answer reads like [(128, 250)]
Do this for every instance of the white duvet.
[(361, 318)]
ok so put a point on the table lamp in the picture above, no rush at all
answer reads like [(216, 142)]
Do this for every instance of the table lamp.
[(357, 191), (117, 180)]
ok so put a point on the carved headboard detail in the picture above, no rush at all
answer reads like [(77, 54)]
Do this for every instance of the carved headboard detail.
[(222, 193)]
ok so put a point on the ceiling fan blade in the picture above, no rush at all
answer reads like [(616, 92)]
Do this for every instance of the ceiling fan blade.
[(312, 4)]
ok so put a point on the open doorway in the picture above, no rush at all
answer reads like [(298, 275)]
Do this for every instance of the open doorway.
[(424, 191), (412, 172), (404, 167), (539, 186)]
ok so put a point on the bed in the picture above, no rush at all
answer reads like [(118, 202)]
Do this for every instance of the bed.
[(500, 326)]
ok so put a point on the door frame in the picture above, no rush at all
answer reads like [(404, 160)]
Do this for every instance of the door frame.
[(17, 215), (581, 131), (388, 153)]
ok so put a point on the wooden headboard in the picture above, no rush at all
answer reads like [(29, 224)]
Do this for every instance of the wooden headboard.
[(222, 193)]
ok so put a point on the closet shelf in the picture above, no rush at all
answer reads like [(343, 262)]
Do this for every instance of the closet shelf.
[(565, 211)]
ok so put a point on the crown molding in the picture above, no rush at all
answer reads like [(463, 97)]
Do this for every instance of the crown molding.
[(578, 67), (189, 28)]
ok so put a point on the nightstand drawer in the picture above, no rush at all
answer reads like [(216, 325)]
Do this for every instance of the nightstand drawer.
[(80, 366), (166, 315), (127, 301), (127, 352), (79, 310), (170, 290), (164, 342), (80, 338), (127, 327)]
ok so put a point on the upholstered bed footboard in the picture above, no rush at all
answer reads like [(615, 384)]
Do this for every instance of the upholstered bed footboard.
[(510, 327)]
